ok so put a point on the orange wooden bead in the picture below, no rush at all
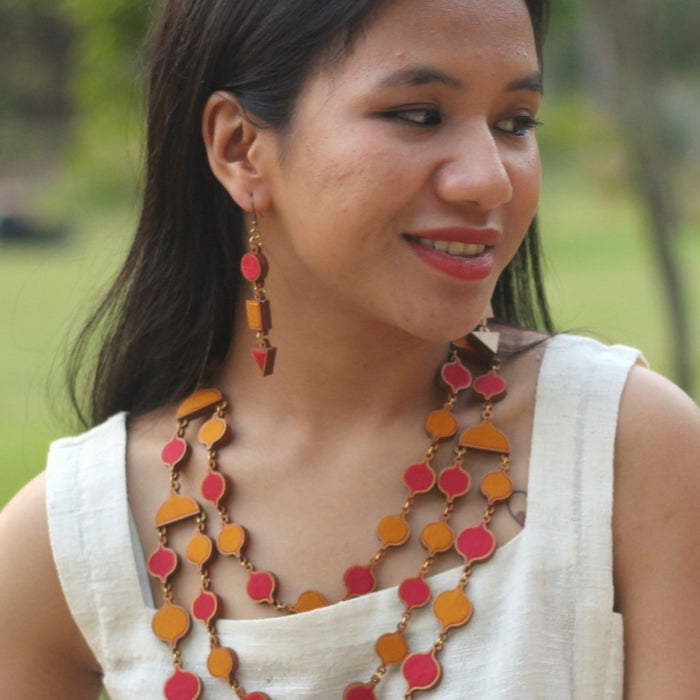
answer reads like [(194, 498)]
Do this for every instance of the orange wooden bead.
[(496, 486), (391, 648), (222, 662), (231, 539), (452, 608), (393, 530), (441, 424), (171, 623), (213, 431), (437, 537), (199, 549)]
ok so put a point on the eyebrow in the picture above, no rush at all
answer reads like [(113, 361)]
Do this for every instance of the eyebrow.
[(531, 82), (424, 76), (419, 76)]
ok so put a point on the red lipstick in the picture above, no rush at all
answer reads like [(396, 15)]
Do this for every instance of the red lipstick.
[(463, 253)]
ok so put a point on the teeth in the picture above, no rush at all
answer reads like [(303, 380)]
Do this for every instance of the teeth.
[(464, 250)]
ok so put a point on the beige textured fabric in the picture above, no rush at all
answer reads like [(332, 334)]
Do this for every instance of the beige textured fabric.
[(543, 625)]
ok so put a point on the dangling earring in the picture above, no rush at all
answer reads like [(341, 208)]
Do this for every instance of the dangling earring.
[(254, 267), (482, 342)]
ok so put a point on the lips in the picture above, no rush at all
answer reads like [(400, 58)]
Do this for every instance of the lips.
[(462, 253)]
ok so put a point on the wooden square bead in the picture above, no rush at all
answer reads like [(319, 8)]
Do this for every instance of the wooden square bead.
[(258, 312)]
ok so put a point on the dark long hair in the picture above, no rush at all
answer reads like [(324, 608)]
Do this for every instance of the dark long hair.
[(169, 314)]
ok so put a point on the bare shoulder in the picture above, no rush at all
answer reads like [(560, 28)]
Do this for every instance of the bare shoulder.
[(657, 536), (652, 404), (37, 632), (657, 451)]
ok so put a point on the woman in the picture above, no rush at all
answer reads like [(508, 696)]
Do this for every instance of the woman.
[(378, 163)]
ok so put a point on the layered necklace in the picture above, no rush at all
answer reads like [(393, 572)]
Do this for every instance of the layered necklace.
[(452, 608)]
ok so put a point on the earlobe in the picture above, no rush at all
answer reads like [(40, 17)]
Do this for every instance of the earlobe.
[(231, 141)]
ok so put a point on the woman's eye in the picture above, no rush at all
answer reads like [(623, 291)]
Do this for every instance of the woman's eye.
[(420, 116), (519, 125)]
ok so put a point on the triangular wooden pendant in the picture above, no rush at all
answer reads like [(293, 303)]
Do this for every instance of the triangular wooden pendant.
[(488, 340), (264, 359), (481, 344)]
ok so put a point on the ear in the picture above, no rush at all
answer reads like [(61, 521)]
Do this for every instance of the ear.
[(233, 147)]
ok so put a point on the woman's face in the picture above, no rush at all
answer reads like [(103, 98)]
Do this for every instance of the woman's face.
[(410, 173)]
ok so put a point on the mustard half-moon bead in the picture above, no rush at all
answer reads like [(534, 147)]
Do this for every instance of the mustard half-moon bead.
[(198, 401), (310, 600), (485, 437), (176, 508)]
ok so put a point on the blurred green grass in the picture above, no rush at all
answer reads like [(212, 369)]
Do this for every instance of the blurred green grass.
[(602, 276), (601, 279), (45, 292)]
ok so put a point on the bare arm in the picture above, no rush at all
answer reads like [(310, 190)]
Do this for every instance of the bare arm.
[(657, 538), (43, 653)]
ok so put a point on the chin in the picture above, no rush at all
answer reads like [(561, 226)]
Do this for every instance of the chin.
[(440, 327), (443, 334)]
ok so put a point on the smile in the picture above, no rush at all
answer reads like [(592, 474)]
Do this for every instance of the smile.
[(456, 248)]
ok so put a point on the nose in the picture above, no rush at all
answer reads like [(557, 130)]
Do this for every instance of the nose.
[(475, 172)]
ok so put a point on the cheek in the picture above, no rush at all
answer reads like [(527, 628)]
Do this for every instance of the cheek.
[(526, 178), (360, 185)]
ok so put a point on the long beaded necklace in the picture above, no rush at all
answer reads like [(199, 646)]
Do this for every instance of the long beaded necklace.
[(452, 608)]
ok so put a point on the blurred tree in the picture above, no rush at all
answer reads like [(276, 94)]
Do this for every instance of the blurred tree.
[(631, 49), (35, 56), (107, 89), (109, 36)]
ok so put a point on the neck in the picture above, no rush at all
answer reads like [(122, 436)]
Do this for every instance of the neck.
[(333, 372)]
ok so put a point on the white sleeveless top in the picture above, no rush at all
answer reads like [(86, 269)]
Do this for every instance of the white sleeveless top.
[(543, 623)]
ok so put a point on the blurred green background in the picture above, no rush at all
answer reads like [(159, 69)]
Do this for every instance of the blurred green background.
[(621, 149)]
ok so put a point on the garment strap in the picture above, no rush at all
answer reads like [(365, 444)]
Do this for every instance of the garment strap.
[(88, 516), (578, 399)]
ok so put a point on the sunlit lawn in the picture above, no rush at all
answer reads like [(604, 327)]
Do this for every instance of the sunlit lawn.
[(44, 291), (602, 280), (602, 276)]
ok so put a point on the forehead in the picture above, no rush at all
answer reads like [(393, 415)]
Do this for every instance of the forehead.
[(405, 31)]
